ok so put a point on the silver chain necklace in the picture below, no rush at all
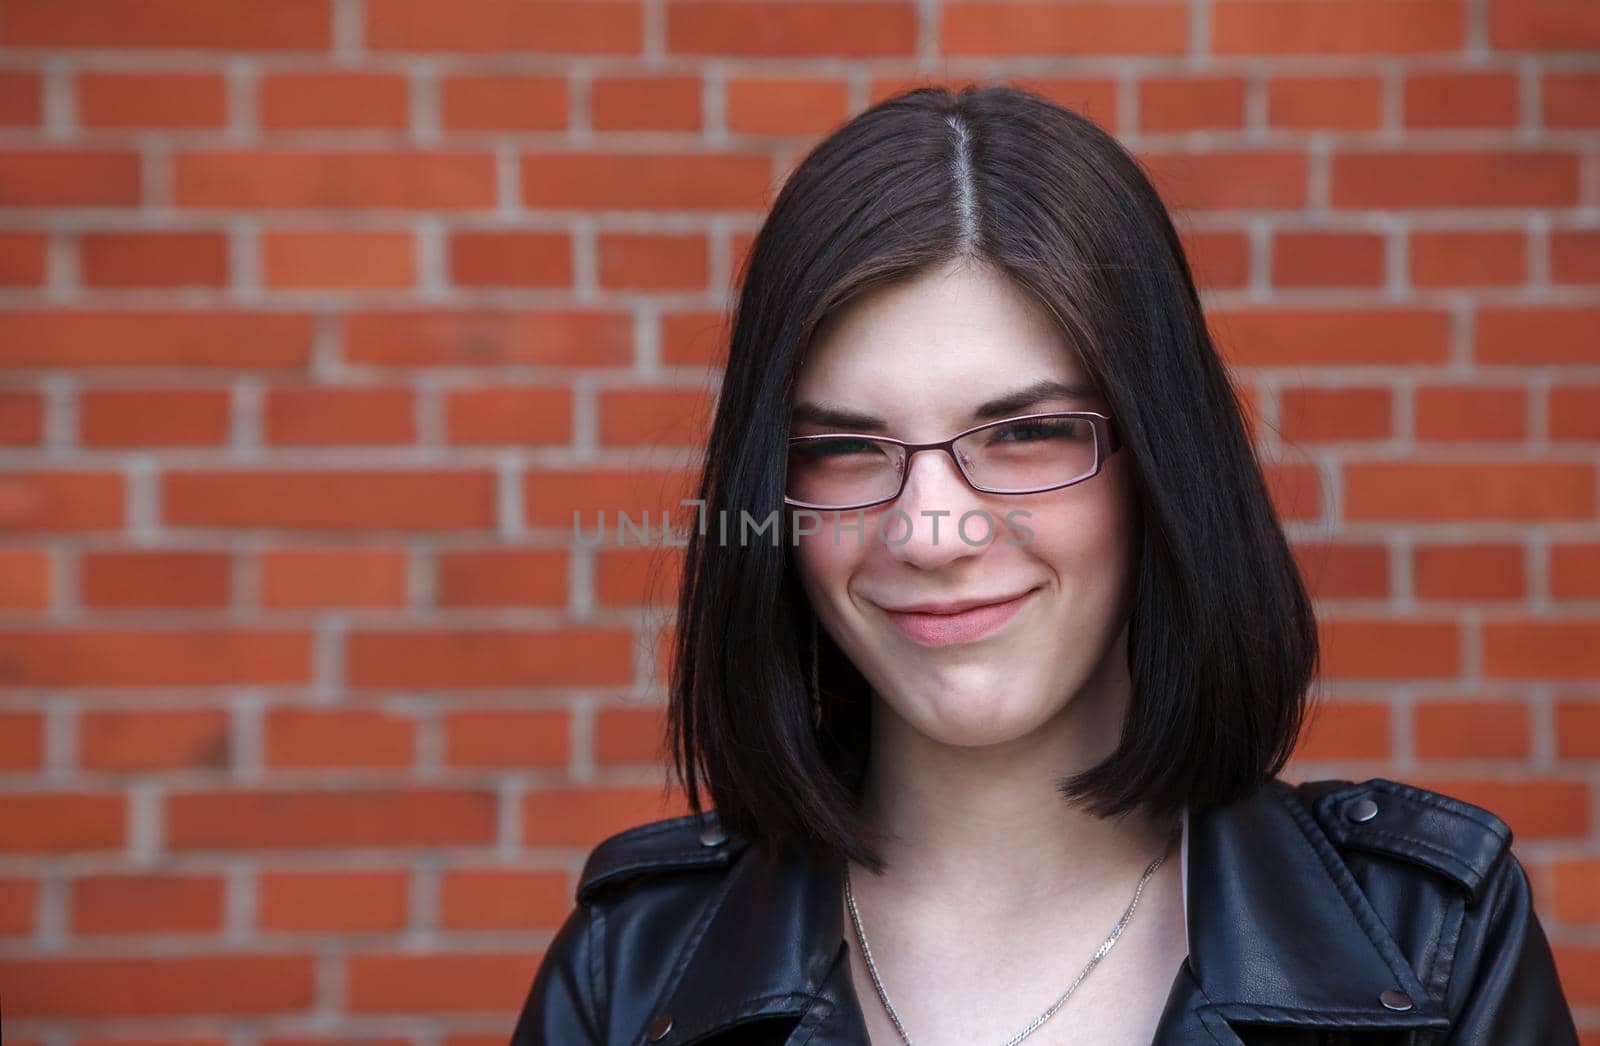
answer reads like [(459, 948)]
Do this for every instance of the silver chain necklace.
[(1116, 931)]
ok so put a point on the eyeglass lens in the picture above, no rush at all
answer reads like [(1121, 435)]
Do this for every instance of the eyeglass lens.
[(1010, 457)]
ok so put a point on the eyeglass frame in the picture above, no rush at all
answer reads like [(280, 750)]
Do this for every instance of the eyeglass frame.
[(1105, 435)]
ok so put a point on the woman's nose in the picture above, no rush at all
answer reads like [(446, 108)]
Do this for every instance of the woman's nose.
[(934, 499)]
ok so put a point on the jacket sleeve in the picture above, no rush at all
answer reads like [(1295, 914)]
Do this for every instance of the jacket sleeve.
[(561, 1006), (1510, 995)]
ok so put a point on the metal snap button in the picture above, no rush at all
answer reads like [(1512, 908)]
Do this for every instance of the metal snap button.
[(1362, 810), (659, 1027), (712, 835), (1395, 1000)]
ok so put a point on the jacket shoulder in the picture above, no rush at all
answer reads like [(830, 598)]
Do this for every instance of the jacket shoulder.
[(665, 847), (1454, 838)]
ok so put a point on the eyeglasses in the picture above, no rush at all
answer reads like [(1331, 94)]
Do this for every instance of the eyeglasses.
[(1022, 455)]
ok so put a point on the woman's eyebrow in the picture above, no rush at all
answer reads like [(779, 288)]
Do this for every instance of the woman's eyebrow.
[(1017, 402)]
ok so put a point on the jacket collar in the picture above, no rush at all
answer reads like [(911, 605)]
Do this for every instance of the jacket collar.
[(1279, 933)]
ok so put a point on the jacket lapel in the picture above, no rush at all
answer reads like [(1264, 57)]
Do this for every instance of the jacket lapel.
[(1279, 934)]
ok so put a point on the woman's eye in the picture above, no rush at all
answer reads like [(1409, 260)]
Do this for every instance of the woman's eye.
[(1026, 431), (828, 448)]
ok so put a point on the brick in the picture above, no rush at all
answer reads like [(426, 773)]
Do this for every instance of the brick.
[(21, 740), (69, 177), (1571, 100), (1390, 649), (785, 105), (1575, 414), (487, 337), (1575, 256), (508, 415), (532, 738), (1460, 491), (1325, 103), (1343, 570), (1531, 649), (562, 27), (1577, 729), (1267, 337), (334, 180), (1296, 491), (502, 577), (148, 739), (802, 28), (493, 983), (1327, 259), (1577, 889), (570, 499), (243, 25), (1472, 729), (646, 181), (1436, 101), (350, 900), (1490, 258), (358, 739), (654, 416), (330, 499), (503, 898), (21, 98), (1229, 180), (303, 416), (128, 657), (154, 417), (1469, 572), (307, 578), (1347, 729), (1341, 27), (511, 259), (1523, 336), (61, 501), (122, 904), (1019, 29), (343, 818), (654, 262), (1218, 259), (154, 338), (21, 420), (693, 337), (1543, 25), (334, 101), (413, 659), (343, 260), (24, 577), (22, 257), (636, 576), (154, 259), (504, 103), (170, 579), (19, 906), (1170, 104), (579, 817), (1574, 570), (143, 986), (1465, 414), (1338, 415), (645, 103), (152, 100), (1412, 178), (630, 736), (59, 822)]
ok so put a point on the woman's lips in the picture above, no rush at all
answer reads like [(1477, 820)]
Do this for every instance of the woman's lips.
[(964, 627)]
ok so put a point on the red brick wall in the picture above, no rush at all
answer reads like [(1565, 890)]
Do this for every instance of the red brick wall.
[(319, 317)]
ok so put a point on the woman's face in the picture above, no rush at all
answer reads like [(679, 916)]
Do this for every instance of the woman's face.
[(922, 357)]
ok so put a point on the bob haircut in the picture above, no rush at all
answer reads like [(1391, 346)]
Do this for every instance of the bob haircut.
[(1222, 639)]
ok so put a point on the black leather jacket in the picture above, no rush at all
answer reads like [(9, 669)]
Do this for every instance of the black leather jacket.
[(1323, 913)]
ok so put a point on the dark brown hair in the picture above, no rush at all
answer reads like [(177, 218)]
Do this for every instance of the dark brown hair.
[(1222, 642)]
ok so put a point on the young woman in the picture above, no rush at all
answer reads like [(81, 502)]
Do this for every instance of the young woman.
[(991, 715)]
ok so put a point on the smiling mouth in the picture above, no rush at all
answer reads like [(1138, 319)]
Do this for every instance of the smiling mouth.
[(963, 626)]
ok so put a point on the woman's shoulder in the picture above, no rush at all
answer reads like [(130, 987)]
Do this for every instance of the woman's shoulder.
[(670, 846)]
